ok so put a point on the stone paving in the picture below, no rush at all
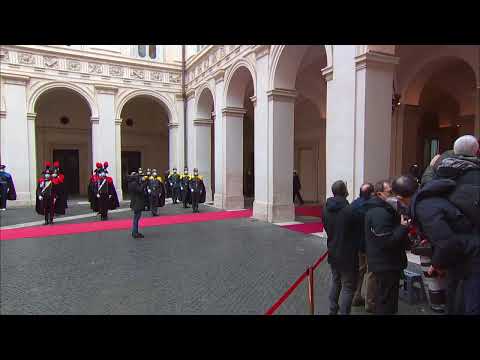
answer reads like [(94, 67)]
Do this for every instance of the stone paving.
[(239, 266)]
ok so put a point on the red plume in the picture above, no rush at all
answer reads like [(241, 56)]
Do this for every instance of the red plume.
[(48, 164), (99, 165), (105, 164), (56, 164)]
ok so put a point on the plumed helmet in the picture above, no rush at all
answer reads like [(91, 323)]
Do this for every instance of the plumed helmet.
[(105, 164), (2, 167), (99, 165)]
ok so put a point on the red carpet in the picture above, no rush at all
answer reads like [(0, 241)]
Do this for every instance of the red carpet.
[(307, 228), (124, 224), (308, 211)]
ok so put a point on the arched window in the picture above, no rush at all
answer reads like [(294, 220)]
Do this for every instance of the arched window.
[(152, 51), (142, 50)]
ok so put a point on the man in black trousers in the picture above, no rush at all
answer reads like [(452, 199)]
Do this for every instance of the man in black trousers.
[(136, 187), (296, 187)]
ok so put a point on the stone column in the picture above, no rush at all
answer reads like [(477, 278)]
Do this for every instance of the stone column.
[(16, 142), (176, 136), (261, 138), (396, 154), (219, 139), (232, 167), (281, 106), (118, 158), (203, 142), (32, 154), (340, 120), (104, 132), (373, 115)]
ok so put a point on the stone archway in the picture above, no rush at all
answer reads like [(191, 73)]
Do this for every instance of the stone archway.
[(295, 87), (204, 125), (144, 135), (63, 132), (438, 103), (237, 136)]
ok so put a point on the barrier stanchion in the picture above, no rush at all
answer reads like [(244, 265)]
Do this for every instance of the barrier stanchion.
[(311, 299)]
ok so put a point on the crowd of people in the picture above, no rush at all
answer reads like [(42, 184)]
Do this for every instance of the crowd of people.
[(148, 192), (435, 216)]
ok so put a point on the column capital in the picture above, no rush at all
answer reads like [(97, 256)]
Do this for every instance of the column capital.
[(31, 116), (118, 121), (375, 59), (105, 89), (190, 93), (234, 112), (179, 96), (202, 122), (261, 51), (3, 114), (213, 115), (15, 79), (327, 73), (173, 125), (253, 99), (95, 120), (219, 76), (282, 94)]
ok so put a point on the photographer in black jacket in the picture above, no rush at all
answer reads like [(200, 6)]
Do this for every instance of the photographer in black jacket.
[(386, 235), (136, 187)]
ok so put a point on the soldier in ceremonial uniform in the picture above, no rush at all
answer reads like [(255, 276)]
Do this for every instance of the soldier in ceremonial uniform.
[(174, 184), (197, 190), (62, 193), (185, 188), (106, 197), (7, 188), (47, 203), (168, 188), (156, 192), (91, 184)]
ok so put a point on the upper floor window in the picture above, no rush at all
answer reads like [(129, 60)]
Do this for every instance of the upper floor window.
[(152, 52), (142, 50)]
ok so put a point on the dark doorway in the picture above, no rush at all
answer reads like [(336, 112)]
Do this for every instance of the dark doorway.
[(69, 163), (131, 161)]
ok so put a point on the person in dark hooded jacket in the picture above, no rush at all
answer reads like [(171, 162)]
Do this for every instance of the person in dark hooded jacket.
[(453, 236), (386, 236), (344, 274)]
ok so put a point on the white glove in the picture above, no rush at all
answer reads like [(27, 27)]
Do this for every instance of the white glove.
[(40, 198), (98, 196), (149, 191), (109, 196), (192, 190)]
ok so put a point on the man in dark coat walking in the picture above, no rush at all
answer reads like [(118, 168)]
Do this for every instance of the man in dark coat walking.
[(136, 187), (386, 239), (344, 267), (296, 187)]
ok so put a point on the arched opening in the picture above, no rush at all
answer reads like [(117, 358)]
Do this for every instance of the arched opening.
[(144, 134), (205, 140), (299, 69), (437, 105), (64, 133), (239, 140)]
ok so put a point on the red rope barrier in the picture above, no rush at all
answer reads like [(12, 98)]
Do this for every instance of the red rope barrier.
[(287, 293)]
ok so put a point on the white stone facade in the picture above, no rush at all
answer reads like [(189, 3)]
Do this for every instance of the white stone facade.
[(325, 110)]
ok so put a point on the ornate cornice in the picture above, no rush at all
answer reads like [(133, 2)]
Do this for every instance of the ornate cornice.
[(282, 94), (234, 112), (375, 59)]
